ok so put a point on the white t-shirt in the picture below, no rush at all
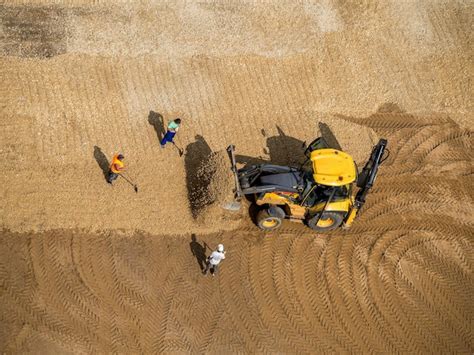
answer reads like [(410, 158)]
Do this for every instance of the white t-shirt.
[(216, 257)]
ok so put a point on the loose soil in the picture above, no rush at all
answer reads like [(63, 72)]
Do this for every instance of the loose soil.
[(89, 267)]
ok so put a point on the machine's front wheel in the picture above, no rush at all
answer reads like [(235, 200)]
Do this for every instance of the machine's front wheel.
[(328, 221), (267, 222)]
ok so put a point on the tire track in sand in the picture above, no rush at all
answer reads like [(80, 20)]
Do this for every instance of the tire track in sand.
[(399, 280)]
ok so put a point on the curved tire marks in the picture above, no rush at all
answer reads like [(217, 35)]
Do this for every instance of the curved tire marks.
[(400, 279)]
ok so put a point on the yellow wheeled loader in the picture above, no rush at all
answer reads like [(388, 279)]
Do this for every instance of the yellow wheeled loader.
[(319, 193)]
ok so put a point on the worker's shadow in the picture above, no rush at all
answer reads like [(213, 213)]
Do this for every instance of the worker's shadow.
[(101, 159), (156, 120), (199, 251), (196, 158)]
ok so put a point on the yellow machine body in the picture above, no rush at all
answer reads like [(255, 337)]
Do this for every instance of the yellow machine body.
[(331, 167), (298, 211), (336, 206), (350, 217), (273, 198), (318, 193)]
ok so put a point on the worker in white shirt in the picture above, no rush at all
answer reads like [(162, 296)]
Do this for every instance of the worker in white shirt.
[(214, 259)]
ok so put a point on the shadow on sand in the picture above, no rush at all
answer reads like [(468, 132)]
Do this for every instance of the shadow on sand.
[(285, 150), (102, 161), (281, 150), (155, 119), (198, 251)]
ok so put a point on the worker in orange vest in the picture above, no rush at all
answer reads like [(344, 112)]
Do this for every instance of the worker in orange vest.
[(116, 168)]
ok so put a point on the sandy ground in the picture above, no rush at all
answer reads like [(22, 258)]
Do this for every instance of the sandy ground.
[(89, 267)]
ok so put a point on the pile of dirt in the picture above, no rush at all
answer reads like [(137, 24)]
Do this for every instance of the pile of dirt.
[(218, 190), (221, 179)]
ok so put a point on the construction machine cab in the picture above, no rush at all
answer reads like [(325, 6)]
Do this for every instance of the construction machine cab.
[(333, 167), (318, 143)]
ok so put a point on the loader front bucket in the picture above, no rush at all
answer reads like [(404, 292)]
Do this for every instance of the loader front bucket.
[(232, 206)]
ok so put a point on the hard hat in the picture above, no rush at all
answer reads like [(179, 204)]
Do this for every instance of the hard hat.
[(220, 248)]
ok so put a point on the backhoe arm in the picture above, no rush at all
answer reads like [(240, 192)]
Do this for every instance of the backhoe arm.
[(366, 179)]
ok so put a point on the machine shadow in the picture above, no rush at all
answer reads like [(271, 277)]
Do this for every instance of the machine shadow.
[(253, 210), (285, 150), (281, 150), (328, 136), (156, 120), (198, 251), (102, 161), (196, 157)]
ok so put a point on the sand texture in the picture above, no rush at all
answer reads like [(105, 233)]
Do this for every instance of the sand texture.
[(88, 267)]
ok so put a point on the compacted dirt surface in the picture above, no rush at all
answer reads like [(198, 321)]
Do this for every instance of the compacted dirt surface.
[(89, 267)]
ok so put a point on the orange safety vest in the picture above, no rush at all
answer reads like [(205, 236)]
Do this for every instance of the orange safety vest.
[(116, 163)]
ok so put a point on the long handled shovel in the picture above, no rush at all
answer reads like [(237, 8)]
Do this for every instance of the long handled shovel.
[(135, 187), (180, 151)]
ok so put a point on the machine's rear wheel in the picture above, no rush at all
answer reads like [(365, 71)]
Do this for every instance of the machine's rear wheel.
[(328, 221), (267, 222)]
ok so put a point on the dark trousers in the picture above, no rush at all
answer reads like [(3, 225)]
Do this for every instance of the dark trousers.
[(111, 176), (213, 268), (168, 137)]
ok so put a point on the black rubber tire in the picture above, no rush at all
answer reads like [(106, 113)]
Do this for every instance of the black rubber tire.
[(267, 222), (276, 211), (336, 217)]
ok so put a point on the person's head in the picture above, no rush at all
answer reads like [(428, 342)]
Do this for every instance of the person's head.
[(177, 121), (220, 248), (120, 156)]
